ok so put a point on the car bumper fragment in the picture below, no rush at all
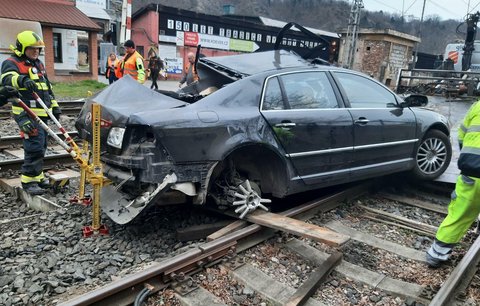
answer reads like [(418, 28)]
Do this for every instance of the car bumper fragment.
[(121, 210)]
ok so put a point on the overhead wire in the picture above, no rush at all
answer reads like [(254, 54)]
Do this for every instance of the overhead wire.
[(444, 9)]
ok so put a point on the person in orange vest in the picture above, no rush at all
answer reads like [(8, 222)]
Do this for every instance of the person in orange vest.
[(190, 74), (132, 63), (112, 67)]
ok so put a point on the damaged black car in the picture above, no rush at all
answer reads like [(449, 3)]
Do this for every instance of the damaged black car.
[(257, 127)]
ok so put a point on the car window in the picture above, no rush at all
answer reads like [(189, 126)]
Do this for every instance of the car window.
[(309, 90), (273, 96), (363, 92)]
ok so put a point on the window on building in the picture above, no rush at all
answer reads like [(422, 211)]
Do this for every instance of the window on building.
[(57, 48), (269, 39)]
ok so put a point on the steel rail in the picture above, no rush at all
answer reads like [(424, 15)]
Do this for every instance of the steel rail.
[(49, 161), (124, 290), (6, 141), (449, 287)]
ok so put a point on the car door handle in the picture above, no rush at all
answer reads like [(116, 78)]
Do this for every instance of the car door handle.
[(285, 124), (362, 120)]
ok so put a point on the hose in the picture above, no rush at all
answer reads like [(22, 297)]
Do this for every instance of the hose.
[(140, 298)]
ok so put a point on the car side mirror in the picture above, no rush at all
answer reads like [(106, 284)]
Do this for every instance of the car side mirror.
[(415, 101)]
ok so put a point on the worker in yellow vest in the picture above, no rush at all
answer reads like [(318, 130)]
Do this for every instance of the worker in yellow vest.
[(132, 63), (465, 205)]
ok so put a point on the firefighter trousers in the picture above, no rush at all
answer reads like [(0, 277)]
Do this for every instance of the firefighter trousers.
[(462, 210), (34, 148)]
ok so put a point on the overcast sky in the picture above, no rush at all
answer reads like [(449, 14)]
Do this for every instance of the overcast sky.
[(446, 9)]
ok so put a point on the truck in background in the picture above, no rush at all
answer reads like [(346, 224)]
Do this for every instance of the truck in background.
[(9, 28)]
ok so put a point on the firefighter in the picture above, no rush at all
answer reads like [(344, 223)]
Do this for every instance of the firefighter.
[(465, 204), (7, 92), (132, 63), (24, 71)]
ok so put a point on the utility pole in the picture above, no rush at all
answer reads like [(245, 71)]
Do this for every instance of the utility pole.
[(352, 33), (419, 36), (126, 25)]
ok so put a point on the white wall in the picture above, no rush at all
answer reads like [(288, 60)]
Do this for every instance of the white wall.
[(69, 49)]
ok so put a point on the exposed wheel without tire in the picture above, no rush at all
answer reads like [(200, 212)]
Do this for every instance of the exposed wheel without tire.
[(432, 155)]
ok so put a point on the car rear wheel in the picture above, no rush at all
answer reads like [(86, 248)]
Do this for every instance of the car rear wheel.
[(432, 155)]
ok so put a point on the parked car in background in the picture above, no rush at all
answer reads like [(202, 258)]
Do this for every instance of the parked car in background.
[(257, 127)]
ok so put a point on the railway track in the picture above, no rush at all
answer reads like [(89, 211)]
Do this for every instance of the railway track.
[(382, 237), (14, 157), (71, 108)]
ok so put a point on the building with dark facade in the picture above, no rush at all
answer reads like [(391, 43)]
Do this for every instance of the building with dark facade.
[(175, 32)]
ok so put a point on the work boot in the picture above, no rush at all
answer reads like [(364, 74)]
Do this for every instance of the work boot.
[(45, 184), (433, 262), (32, 188)]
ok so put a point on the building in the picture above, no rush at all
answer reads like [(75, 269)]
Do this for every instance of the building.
[(175, 32), (381, 53), (62, 24)]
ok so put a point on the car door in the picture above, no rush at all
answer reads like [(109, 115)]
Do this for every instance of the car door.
[(384, 132), (315, 130)]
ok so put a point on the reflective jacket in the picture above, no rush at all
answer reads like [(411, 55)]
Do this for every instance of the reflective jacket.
[(133, 65), (189, 76), (15, 70), (469, 140), (116, 67)]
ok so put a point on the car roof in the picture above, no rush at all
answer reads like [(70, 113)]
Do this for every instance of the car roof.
[(253, 63)]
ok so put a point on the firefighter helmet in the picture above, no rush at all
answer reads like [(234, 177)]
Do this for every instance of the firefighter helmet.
[(28, 39)]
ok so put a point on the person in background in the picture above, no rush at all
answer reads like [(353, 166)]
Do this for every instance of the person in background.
[(24, 71), (190, 74), (155, 64), (465, 204), (112, 67), (132, 63), (7, 92)]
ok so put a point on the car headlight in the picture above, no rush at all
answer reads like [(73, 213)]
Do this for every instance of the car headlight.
[(115, 137)]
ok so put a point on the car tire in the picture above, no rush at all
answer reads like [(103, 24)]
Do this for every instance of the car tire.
[(432, 155)]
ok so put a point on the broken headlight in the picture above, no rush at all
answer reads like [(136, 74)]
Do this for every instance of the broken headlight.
[(115, 137)]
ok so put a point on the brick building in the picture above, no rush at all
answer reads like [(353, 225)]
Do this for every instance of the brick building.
[(60, 23), (381, 53)]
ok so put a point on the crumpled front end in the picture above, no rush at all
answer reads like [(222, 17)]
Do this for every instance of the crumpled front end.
[(143, 173)]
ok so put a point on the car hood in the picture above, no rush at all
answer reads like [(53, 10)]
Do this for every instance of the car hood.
[(121, 100)]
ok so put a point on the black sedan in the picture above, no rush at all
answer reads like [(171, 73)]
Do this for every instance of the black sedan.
[(256, 127)]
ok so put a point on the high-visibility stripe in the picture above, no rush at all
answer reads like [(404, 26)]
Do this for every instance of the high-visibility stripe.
[(470, 150), (14, 75), (473, 128), (17, 110), (29, 179)]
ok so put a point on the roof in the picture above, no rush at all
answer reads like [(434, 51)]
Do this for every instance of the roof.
[(280, 24), (48, 13)]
